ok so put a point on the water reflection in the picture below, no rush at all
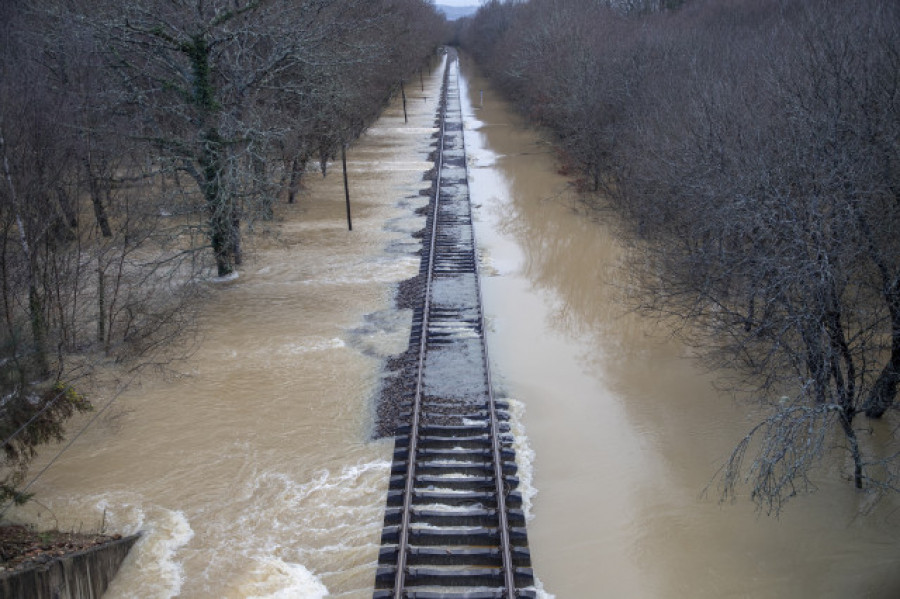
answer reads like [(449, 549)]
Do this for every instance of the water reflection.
[(627, 431)]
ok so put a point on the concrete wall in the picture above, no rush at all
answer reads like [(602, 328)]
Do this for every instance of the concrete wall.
[(81, 575)]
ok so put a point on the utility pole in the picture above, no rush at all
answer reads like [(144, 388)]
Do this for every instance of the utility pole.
[(403, 93), (346, 187)]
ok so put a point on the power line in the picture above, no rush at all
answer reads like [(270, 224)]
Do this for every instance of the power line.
[(34, 417), (69, 444)]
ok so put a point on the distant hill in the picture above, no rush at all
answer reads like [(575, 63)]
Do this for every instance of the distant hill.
[(456, 12)]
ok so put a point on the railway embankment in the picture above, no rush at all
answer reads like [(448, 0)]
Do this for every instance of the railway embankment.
[(453, 525)]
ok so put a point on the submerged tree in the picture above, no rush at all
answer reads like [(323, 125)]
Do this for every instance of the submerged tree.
[(191, 72), (755, 169), (86, 273), (764, 192), (134, 137), (225, 88)]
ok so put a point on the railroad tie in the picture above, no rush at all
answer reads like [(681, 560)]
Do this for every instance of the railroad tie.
[(454, 527)]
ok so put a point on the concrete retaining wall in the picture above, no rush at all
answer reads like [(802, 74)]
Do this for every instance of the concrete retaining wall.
[(81, 575)]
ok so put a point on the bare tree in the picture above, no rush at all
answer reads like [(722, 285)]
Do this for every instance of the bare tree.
[(757, 211), (755, 169), (134, 137)]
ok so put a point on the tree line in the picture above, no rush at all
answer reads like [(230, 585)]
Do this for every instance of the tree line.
[(138, 142), (750, 151)]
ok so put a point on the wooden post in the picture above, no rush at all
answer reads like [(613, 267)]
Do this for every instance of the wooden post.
[(346, 187), (403, 93)]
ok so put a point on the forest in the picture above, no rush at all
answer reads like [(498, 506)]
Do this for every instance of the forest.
[(140, 142), (749, 153)]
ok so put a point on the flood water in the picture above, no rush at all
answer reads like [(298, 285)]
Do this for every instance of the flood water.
[(626, 432), (252, 474)]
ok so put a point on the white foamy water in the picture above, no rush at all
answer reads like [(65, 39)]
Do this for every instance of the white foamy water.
[(524, 455), (273, 349), (389, 270), (225, 278), (627, 433), (250, 473), (164, 533), (311, 345), (156, 556), (276, 579), (417, 166), (381, 131), (250, 470)]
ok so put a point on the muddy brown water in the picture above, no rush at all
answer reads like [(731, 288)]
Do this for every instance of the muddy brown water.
[(626, 432), (252, 473)]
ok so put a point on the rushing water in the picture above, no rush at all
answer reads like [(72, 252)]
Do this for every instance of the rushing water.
[(252, 473), (626, 432)]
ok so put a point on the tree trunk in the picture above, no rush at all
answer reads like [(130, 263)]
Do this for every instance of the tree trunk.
[(346, 186), (35, 305), (36, 313), (885, 388), (97, 201), (70, 212), (403, 95), (101, 302), (220, 217), (237, 252), (296, 171), (220, 246), (220, 223), (847, 426), (266, 201)]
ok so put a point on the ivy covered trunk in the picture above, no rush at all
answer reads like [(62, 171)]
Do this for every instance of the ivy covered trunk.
[(222, 216), (217, 205)]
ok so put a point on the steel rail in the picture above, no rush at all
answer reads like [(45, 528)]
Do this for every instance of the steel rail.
[(508, 568), (403, 540)]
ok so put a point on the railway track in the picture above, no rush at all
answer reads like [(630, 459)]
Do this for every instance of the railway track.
[(454, 526)]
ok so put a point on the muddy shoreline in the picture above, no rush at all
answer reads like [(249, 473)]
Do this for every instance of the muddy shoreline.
[(22, 547)]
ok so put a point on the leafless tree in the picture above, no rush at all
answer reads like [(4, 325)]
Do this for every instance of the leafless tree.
[(135, 136), (754, 167)]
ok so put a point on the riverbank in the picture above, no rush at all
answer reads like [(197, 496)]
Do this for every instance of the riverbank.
[(22, 547)]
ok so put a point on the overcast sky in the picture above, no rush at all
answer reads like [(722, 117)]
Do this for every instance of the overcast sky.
[(458, 2)]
